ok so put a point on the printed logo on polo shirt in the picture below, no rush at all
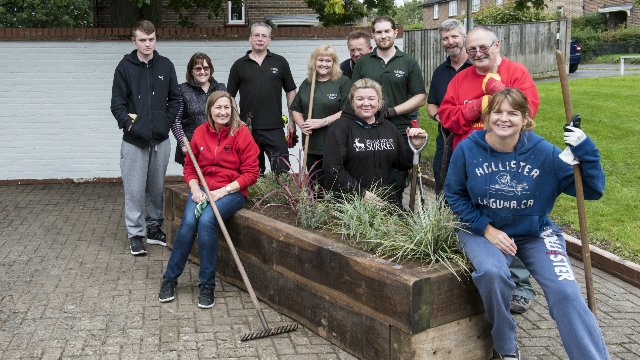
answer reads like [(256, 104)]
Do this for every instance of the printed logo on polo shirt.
[(227, 148), (332, 96), (274, 70), (161, 77), (399, 73), (373, 144)]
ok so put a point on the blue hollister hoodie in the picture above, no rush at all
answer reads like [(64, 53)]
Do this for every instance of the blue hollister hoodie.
[(515, 191)]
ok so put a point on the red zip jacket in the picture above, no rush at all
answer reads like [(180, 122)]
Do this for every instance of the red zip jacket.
[(466, 86), (223, 158)]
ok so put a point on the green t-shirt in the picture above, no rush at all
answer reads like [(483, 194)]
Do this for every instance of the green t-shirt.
[(330, 97), (401, 78)]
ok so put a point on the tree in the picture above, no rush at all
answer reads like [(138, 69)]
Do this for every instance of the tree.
[(409, 15), (341, 12), (508, 13), (44, 14)]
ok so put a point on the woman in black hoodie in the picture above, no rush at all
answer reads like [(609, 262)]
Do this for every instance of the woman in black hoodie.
[(195, 92), (362, 147)]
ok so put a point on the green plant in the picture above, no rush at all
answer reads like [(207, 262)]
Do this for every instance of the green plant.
[(427, 236), (44, 14), (509, 13), (306, 199), (596, 22)]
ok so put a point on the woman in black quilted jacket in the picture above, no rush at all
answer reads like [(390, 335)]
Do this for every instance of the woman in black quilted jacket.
[(194, 94)]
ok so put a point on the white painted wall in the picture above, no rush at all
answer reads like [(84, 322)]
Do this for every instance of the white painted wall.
[(55, 98)]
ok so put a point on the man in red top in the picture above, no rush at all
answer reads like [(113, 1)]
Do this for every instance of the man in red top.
[(470, 90)]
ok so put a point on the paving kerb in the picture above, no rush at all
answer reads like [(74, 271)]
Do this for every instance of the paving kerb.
[(71, 290)]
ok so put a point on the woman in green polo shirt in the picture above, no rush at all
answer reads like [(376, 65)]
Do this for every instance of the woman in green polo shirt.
[(331, 95)]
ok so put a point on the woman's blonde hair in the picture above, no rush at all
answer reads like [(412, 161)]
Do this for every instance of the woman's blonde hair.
[(366, 83), (518, 102), (234, 120), (324, 50)]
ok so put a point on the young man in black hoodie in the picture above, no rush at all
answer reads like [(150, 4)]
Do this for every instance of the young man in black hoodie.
[(145, 101)]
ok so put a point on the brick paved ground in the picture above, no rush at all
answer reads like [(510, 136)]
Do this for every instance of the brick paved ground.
[(70, 289)]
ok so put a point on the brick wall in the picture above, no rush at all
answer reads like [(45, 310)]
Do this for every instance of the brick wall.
[(572, 8), (255, 10), (55, 96)]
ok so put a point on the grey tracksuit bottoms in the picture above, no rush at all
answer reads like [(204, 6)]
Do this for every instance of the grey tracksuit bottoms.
[(143, 171)]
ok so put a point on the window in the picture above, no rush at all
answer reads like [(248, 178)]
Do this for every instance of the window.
[(499, 2), (475, 6), (453, 8), (560, 10), (436, 11), (235, 13)]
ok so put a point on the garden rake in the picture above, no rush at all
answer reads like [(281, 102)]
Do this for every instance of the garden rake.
[(267, 331)]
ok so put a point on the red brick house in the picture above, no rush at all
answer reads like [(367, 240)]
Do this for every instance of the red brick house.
[(618, 11), (281, 12)]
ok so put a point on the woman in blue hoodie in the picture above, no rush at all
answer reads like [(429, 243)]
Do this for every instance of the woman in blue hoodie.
[(503, 182)]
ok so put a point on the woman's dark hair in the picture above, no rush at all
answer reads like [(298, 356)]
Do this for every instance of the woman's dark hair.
[(198, 59)]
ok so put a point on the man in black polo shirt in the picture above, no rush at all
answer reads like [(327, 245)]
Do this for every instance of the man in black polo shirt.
[(401, 79), (452, 34), (260, 76), (359, 44)]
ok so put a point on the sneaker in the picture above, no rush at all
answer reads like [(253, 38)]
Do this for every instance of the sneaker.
[(167, 291), (514, 356), (156, 236), (520, 304), (206, 300), (137, 246)]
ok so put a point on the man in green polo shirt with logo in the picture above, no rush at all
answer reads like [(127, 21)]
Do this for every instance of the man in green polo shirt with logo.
[(401, 78)]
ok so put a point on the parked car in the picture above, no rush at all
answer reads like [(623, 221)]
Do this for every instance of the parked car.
[(575, 56)]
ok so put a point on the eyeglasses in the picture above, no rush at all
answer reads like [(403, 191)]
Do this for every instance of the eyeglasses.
[(258, 36), (482, 48), (200, 68)]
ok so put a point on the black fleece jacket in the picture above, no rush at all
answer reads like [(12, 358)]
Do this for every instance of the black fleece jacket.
[(149, 90), (358, 155)]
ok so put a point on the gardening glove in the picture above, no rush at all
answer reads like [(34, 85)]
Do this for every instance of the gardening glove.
[(473, 109), (389, 112), (200, 208), (573, 136), (492, 83), (292, 138)]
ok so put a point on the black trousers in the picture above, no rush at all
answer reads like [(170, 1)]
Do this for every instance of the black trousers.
[(272, 143)]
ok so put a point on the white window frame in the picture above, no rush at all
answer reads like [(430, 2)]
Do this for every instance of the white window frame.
[(475, 6), (560, 10), (499, 2), (436, 11), (240, 21), (453, 8)]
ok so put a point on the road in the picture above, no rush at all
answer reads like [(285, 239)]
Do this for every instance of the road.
[(598, 70)]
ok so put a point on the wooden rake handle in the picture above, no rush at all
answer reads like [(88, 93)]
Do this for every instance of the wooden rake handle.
[(243, 273)]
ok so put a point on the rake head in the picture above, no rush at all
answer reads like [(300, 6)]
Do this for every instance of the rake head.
[(271, 332)]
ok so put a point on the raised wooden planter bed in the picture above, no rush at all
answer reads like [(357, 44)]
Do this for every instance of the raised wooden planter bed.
[(372, 308)]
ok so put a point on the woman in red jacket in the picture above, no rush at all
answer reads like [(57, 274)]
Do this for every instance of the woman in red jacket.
[(228, 158)]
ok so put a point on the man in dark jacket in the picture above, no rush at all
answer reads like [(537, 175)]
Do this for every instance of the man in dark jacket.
[(145, 101)]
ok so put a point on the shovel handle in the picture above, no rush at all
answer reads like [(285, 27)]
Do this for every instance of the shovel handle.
[(577, 179)]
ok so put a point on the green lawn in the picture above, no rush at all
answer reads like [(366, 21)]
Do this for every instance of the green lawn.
[(611, 116), (611, 59)]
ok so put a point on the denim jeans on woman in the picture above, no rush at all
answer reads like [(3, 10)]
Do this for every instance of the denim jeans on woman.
[(547, 260), (207, 229)]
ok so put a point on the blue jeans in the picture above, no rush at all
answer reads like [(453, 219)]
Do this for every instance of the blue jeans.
[(207, 229), (547, 259)]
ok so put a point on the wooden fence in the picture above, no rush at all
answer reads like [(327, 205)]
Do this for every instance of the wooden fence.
[(533, 44)]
